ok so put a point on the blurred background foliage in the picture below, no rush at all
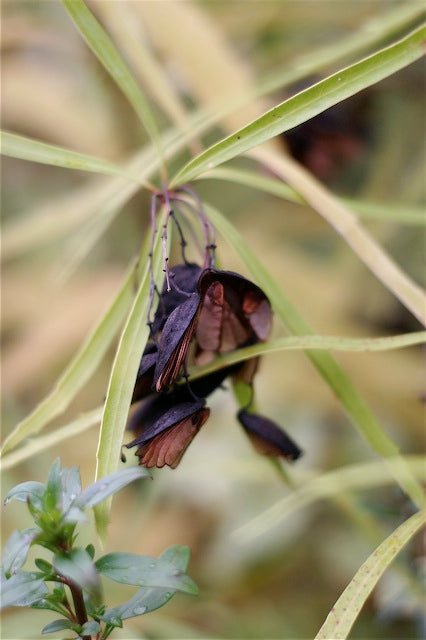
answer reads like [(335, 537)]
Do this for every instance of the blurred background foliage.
[(284, 582)]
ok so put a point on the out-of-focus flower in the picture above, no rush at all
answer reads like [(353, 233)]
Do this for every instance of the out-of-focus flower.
[(267, 437)]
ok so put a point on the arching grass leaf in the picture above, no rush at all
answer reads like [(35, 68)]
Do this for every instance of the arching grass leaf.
[(106, 52), (400, 213), (347, 225), (346, 610), (365, 475), (123, 376), (80, 368), (41, 443), (322, 343), (17, 146), (308, 103)]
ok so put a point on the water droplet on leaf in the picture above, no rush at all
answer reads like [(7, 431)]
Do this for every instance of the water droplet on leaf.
[(138, 611)]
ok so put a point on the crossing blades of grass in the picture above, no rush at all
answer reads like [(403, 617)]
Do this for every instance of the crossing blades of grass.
[(82, 365), (106, 52), (346, 610), (308, 103), (348, 226), (36, 445)]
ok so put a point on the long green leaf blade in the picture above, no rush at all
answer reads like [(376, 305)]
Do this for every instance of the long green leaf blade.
[(308, 103), (122, 380), (17, 146), (41, 443), (104, 49), (344, 613), (353, 477), (312, 342), (401, 213), (324, 362), (348, 226)]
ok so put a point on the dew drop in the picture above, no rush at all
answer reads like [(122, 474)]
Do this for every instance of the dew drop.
[(138, 611)]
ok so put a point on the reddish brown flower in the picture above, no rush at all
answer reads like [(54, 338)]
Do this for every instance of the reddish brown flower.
[(165, 440), (225, 313)]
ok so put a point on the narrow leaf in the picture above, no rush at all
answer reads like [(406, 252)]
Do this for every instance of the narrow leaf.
[(80, 368), (400, 213), (70, 486), (106, 52), (307, 104), (16, 550), (107, 486), (77, 566), (321, 343), (58, 625), (22, 589), (89, 628), (365, 475), (326, 365), (24, 490), (348, 226), (144, 601), (123, 376), (41, 443), (145, 571), (17, 146), (346, 610)]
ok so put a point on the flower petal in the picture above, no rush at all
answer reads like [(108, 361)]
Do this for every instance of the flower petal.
[(174, 341), (267, 437), (168, 447)]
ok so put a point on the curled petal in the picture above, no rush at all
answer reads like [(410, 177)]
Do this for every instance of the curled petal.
[(183, 278), (174, 342), (164, 441), (267, 438), (234, 311)]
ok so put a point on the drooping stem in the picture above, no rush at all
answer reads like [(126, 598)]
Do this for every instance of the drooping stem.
[(183, 242), (209, 243), (207, 225)]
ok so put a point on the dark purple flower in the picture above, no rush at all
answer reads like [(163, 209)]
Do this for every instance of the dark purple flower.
[(225, 313), (165, 439), (267, 437)]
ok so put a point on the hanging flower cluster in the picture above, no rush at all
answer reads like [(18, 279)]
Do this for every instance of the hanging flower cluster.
[(202, 312)]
